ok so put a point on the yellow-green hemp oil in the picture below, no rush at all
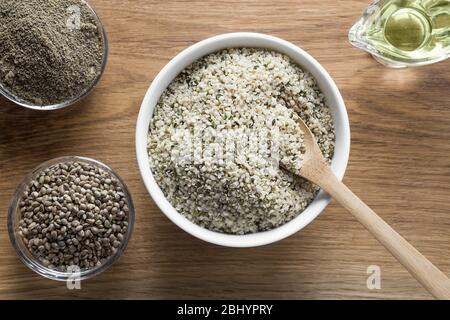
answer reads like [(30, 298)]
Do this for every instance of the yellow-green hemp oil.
[(409, 32)]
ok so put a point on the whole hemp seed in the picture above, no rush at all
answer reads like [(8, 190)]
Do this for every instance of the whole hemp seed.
[(73, 214), (51, 51)]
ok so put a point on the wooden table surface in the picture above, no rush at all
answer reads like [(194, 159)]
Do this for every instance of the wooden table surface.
[(399, 164)]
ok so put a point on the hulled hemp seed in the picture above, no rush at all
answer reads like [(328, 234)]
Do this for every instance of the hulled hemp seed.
[(220, 130)]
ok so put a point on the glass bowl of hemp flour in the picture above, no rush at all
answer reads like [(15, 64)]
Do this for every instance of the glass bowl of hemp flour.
[(52, 52), (70, 218)]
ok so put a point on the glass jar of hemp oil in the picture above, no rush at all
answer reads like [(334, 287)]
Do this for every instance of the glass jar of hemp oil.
[(401, 33)]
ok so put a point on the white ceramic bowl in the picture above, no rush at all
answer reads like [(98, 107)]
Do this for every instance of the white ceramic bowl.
[(193, 53)]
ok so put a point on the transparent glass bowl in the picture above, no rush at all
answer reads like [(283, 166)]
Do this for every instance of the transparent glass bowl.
[(83, 94), (25, 255)]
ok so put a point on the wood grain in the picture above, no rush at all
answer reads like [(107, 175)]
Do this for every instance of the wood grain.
[(399, 165)]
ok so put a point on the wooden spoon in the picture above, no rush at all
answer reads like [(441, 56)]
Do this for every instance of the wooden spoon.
[(316, 169)]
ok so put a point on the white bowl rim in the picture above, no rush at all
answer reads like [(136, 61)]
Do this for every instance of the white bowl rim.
[(213, 44)]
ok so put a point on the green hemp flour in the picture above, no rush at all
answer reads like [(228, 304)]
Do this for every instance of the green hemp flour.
[(51, 51)]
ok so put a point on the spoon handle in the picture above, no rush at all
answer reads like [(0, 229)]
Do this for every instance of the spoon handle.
[(436, 282)]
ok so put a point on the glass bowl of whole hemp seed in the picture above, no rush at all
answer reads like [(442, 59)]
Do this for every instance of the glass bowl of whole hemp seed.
[(70, 218), (52, 53)]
